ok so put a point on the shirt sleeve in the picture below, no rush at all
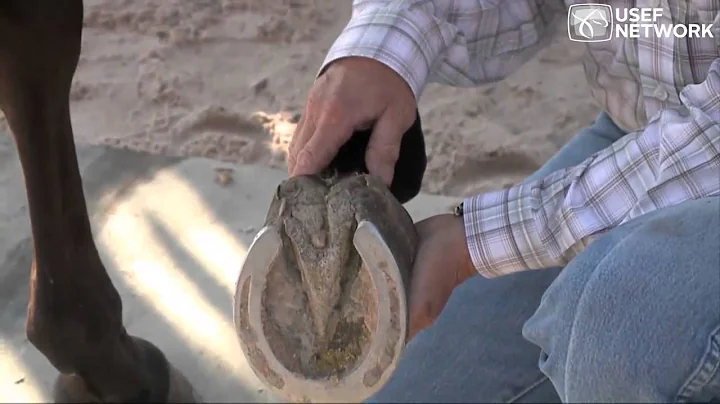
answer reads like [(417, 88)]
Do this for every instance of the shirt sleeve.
[(545, 223), (455, 42)]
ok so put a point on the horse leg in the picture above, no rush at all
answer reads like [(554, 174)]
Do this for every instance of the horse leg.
[(75, 313)]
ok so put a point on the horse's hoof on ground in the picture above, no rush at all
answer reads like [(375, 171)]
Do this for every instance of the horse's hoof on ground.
[(181, 391), (168, 385), (72, 389)]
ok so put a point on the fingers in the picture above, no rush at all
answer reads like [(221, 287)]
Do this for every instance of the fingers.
[(353, 92), (384, 146), (325, 125), (321, 146), (303, 131)]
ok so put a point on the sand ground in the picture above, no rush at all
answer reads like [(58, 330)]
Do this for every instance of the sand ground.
[(223, 79), (172, 236)]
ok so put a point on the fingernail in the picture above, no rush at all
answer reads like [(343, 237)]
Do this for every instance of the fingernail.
[(302, 162)]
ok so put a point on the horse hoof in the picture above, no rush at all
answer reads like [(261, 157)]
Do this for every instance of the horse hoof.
[(167, 384), (180, 390), (71, 388), (320, 303)]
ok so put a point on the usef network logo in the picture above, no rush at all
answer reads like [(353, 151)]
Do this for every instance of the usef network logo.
[(590, 22)]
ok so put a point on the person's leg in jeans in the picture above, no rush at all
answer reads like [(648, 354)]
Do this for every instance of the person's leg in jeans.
[(475, 351), (636, 316)]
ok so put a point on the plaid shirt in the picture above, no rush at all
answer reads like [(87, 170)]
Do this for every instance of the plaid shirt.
[(664, 91)]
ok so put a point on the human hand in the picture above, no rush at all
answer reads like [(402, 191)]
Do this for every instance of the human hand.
[(353, 94), (442, 262)]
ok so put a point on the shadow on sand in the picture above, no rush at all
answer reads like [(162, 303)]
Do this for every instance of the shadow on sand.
[(202, 347)]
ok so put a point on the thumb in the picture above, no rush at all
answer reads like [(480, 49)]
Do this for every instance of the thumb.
[(428, 292), (384, 146), (425, 307)]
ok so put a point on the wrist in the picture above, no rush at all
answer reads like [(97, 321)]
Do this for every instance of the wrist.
[(466, 268)]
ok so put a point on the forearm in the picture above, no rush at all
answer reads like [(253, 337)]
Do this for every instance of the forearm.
[(546, 223), (459, 43)]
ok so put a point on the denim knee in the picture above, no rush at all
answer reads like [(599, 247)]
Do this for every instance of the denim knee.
[(636, 316)]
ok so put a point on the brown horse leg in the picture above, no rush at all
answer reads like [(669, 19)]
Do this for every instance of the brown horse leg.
[(75, 314)]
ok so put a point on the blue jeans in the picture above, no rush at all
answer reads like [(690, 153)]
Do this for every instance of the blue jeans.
[(633, 318)]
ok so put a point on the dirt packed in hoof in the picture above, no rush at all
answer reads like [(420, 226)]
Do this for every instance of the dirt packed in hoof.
[(289, 328), (344, 349)]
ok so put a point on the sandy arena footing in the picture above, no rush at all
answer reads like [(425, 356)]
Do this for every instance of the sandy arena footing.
[(172, 233)]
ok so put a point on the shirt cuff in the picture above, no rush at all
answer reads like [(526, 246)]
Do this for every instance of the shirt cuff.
[(398, 38), (502, 234)]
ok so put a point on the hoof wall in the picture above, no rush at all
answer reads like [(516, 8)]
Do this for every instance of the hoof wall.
[(72, 389), (168, 384), (180, 389)]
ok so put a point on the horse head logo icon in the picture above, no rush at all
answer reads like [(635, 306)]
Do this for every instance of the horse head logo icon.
[(590, 22)]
